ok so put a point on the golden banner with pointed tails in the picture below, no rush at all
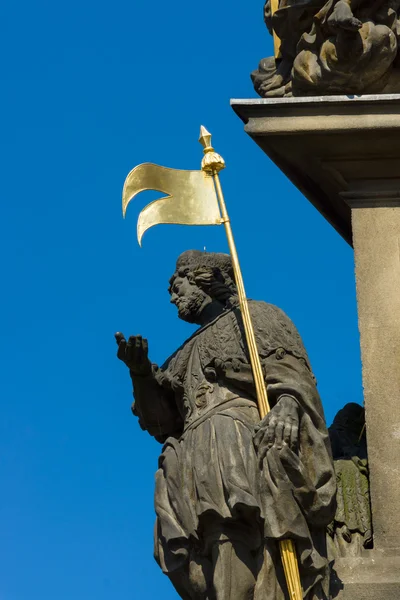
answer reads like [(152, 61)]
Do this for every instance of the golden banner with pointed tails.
[(191, 199)]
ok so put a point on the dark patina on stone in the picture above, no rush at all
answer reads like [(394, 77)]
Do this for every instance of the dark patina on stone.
[(229, 487), (350, 533)]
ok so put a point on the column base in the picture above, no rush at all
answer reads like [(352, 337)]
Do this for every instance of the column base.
[(375, 576)]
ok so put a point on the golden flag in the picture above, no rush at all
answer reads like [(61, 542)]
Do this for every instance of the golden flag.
[(191, 197)]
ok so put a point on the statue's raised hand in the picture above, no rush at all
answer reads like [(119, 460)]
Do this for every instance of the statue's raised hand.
[(134, 353), (280, 426)]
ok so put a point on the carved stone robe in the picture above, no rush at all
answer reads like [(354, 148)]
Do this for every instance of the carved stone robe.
[(351, 531), (210, 485)]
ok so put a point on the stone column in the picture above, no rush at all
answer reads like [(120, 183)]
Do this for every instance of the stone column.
[(343, 153), (376, 239)]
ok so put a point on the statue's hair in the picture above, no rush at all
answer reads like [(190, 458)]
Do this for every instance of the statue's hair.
[(213, 280), (217, 284)]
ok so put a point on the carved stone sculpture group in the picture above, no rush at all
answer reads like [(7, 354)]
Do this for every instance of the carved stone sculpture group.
[(332, 47)]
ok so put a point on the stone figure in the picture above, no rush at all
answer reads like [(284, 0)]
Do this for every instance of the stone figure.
[(229, 486), (332, 47), (351, 530)]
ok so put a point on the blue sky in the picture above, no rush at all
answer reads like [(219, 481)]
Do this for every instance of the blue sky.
[(91, 89)]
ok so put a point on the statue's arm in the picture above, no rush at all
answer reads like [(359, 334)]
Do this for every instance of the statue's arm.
[(288, 375), (296, 421), (284, 360), (155, 406), (154, 403), (291, 394)]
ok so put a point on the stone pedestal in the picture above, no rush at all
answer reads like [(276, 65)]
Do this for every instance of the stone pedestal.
[(344, 155)]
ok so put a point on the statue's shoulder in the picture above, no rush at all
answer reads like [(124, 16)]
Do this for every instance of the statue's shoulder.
[(271, 314), (274, 329)]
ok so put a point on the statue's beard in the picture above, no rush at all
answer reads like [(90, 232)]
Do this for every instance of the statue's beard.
[(189, 307)]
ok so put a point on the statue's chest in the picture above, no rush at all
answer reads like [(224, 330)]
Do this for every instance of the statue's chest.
[(194, 370)]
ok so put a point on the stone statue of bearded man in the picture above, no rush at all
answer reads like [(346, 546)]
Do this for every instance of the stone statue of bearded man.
[(228, 486)]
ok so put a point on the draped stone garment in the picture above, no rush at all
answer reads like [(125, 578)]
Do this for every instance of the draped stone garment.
[(210, 485), (351, 530)]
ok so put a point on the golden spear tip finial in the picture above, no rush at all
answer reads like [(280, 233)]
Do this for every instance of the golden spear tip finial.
[(205, 137), (212, 162)]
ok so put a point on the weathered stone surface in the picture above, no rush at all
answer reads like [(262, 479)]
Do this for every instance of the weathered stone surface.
[(376, 236), (375, 576), (229, 486), (350, 533), (332, 148), (331, 47)]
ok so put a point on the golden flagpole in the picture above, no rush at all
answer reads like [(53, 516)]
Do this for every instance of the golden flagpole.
[(212, 163)]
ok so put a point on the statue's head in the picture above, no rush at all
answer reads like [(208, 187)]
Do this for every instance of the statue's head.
[(202, 279)]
